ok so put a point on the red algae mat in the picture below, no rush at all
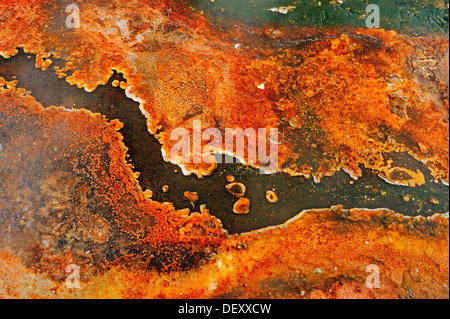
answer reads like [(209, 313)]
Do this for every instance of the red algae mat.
[(340, 99)]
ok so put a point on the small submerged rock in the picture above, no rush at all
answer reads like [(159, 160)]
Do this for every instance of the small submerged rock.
[(148, 194), (434, 201), (242, 206), (192, 197), (230, 179), (271, 197), (236, 189)]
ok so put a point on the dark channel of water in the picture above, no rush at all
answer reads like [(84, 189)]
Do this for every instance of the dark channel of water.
[(295, 194)]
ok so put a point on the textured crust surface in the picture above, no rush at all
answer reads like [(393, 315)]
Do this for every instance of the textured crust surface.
[(343, 99)]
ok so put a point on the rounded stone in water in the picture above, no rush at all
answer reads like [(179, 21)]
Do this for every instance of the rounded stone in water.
[(236, 189)]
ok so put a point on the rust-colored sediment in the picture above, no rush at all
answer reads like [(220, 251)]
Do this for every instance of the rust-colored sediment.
[(68, 195), (369, 93)]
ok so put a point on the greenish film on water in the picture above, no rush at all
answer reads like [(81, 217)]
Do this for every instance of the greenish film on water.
[(411, 16)]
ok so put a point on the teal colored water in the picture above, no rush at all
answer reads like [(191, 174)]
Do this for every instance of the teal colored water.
[(417, 17)]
